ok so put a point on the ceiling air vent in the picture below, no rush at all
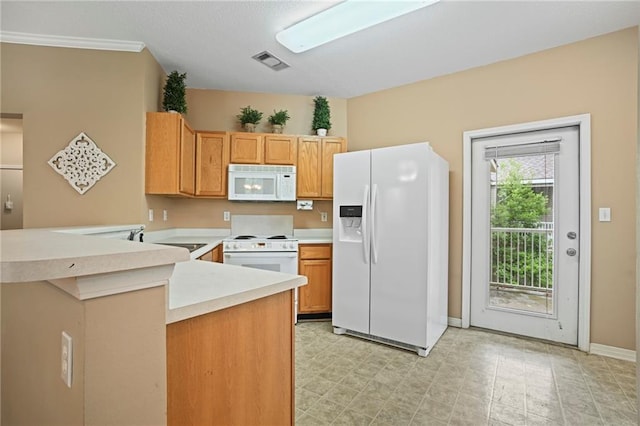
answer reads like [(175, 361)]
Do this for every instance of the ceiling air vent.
[(271, 61)]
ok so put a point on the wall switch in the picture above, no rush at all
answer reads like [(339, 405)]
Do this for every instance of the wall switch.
[(165, 215), (150, 215), (604, 214), (66, 358), (226, 216), (305, 205), (323, 216)]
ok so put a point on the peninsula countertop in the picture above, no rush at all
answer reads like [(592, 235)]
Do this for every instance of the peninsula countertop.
[(200, 287), (37, 255)]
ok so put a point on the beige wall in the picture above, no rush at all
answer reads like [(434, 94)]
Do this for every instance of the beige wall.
[(119, 370), (217, 110), (33, 318), (62, 92), (597, 76)]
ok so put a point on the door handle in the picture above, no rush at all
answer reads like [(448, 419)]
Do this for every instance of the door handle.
[(572, 235), (571, 251)]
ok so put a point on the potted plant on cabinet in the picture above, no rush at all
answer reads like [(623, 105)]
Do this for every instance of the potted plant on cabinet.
[(278, 120), (174, 93), (249, 117), (321, 116)]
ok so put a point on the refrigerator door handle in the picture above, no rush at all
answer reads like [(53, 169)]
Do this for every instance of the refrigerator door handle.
[(364, 226), (373, 223)]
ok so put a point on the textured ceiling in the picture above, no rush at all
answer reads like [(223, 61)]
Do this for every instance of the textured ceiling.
[(213, 41)]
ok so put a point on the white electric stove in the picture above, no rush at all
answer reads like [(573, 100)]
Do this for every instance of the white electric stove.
[(263, 242)]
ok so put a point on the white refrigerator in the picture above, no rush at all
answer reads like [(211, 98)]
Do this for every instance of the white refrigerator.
[(390, 245)]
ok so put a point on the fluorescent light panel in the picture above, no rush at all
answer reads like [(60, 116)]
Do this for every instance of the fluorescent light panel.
[(343, 19)]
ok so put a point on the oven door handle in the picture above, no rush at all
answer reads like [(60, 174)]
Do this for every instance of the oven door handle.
[(262, 255)]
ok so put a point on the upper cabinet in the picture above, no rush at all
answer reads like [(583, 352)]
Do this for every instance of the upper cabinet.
[(260, 148), (212, 159), (170, 155), (315, 165), (280, 149), (247, 148), (180, 161)]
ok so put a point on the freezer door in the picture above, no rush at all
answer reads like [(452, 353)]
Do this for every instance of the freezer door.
[(351, 254), (399, 265)]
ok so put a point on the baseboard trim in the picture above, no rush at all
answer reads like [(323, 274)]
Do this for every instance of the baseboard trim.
[(454, 322), (612, 352)]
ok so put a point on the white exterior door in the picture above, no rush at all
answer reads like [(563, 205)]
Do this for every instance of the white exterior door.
[(525, 238)]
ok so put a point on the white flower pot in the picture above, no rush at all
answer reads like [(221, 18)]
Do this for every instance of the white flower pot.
[(322, 132)]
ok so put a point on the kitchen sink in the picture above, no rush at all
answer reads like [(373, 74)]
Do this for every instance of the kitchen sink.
[(189, 246)]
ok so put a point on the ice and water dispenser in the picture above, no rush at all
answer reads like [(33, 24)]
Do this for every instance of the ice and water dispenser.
[(350, 224)]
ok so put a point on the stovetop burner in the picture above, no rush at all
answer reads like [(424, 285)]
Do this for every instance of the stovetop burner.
[(245, 237), (278, 237)]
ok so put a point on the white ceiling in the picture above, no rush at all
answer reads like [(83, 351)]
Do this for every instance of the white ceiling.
[(213, 41)]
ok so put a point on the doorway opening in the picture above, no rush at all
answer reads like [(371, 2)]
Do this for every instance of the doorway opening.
[(11, 160)]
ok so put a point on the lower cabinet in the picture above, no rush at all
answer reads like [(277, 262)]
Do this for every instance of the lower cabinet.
[(234, 366), (214, 255), (315, 264)]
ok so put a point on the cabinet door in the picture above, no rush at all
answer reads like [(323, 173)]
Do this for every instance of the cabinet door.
[(187, 160), (212, 159), (315, 297), (217, 254), (247, 148), (280, 149), (309, 169), (163, 133), (330, 146)]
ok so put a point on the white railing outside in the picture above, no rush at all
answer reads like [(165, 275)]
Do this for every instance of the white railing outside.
[(522, 257)]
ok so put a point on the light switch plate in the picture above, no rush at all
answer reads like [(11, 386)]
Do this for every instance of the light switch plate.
[(604, 214)]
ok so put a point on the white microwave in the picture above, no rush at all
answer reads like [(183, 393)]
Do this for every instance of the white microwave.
[(254, 182)]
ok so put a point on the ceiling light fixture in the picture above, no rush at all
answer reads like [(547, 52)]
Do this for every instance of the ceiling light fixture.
[(343, 19)]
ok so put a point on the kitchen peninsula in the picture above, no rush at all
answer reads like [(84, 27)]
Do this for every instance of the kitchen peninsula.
[(135, 318)]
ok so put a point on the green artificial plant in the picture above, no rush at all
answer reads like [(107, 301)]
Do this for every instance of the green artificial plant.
[(321, 114), (279, 118), (249, 115), (174, 93)]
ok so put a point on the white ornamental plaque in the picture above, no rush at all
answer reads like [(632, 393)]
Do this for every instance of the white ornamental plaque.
[(81, 163)]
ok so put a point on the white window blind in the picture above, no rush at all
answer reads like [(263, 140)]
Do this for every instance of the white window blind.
[(548, 146)]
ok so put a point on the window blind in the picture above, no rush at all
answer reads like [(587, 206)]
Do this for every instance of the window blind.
[(547, 146)]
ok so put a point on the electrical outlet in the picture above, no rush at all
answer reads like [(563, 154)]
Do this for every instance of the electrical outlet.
[(165, 215), (226, 216), (66, 358), (150, 215), (323, 216)]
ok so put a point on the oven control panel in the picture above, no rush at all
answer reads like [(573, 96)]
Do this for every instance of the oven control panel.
[(260, 246)]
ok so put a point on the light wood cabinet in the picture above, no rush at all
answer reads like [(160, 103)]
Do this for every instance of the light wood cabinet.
[(214, 255), (212, 159), (261, 148), (234, 366), (315, 263), (247, 148), (170, 155), (315, 166), (280, 149)]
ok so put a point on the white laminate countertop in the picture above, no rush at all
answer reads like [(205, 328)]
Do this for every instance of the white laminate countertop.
[(41, 255), (200, 287)]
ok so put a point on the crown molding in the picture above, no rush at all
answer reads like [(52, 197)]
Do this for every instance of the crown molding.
[(71, 42)]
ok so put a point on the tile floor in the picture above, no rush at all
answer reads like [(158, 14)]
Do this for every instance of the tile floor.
[(471, 377)]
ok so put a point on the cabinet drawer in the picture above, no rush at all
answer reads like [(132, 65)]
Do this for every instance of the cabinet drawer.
[(319, 251)]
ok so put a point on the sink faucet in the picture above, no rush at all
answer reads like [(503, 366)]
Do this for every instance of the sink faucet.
[(133, 233)]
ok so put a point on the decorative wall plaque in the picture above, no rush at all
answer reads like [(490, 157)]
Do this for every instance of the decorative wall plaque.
[(81, 163)]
